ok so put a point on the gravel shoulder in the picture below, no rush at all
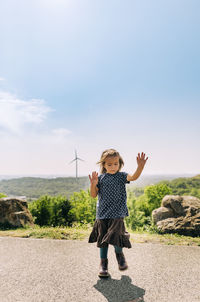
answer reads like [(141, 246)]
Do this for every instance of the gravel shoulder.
[(66, 270)]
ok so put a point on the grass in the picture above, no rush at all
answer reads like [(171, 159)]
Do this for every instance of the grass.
[(47, 232), (167, 239), (78, 232)]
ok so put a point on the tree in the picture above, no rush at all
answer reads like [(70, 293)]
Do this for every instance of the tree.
[(83, 207), (41, 210), (154, 195), (52, 210)]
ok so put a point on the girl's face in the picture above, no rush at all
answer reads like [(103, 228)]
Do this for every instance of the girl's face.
[(112, 164)]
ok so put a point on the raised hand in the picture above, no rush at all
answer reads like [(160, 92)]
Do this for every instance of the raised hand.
[(94, 178), (141, 160)]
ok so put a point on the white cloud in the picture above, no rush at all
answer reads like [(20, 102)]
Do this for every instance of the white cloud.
[(29, 144), (2, 79), (15, 113)]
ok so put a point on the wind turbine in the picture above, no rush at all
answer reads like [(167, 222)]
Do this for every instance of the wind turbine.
[(76, 159)]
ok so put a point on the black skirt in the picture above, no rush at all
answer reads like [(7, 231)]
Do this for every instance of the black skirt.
[(110, 231)]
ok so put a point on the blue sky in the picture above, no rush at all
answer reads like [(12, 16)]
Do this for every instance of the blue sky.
[(91, 75)]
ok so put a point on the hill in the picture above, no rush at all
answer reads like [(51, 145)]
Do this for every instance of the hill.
[(185, 185), (34, 187)]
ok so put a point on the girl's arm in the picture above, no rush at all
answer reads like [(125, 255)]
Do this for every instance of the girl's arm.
[(93, 184), (141, 161)]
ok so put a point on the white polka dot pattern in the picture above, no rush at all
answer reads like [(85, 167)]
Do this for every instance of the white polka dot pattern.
[(112, 195)]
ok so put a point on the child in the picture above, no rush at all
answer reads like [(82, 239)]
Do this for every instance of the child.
[(110, 187)]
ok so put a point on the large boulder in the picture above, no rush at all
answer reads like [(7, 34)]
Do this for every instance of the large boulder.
[(178, 214), (14, 212)]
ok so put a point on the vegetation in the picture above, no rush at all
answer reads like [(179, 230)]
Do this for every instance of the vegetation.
[(81, 232), (185, 186), (34, 187), (140, 208), (78, 209), (75, 232), (60, 211), (51, 211), (2, 195), (83, 207)]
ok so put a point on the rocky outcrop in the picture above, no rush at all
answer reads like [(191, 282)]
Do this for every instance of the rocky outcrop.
[(14, 212), (178, 214)]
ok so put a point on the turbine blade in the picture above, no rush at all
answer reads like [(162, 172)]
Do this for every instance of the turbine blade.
[(80, 159), (72, 161)]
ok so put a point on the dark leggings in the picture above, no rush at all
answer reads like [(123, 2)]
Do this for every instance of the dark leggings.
[(104, 251)]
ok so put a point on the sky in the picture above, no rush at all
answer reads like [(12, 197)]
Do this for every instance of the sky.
[(91, 75)]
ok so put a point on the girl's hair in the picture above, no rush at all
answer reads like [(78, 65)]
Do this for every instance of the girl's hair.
[(109, 153)]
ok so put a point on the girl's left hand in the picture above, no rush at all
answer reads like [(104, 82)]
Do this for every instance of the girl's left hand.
[(141, 160)]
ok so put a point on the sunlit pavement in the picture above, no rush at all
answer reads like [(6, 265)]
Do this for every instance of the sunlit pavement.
[(64, 270)]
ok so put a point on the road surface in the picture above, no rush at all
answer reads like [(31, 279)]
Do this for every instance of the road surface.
[(47, 270)]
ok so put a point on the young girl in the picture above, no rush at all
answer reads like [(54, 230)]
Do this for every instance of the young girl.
[(110, 187)]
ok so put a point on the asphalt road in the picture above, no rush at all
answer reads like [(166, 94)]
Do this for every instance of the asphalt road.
[(45, 270)]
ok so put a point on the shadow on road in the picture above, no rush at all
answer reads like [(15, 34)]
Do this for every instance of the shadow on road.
[(120, 290)]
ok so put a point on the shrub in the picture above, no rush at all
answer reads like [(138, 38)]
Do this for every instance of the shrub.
[(83, 207), (140, 208), (51, 210), (136, 218), (2, 195), (154, 195), (41, 210)]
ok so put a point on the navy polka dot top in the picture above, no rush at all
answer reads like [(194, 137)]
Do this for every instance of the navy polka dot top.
[(112, 195)]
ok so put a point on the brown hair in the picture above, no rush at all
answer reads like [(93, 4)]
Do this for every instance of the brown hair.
[(109, 153)]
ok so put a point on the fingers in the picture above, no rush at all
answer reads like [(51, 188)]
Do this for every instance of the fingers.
[(94, 175), (142, 156)]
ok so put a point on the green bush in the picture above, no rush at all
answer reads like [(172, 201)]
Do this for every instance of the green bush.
[(136, 218), (142, 205), (140, 208), (83, 207), (41, 210), (51, 210), (58, 210), (61, 211), (154, 195), (2, 195)]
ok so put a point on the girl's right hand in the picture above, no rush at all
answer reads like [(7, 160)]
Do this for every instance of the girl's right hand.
[(94, 178)]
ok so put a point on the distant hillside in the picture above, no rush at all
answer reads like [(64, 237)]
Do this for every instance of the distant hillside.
[(185, 185), (34, 187), (146, 180)]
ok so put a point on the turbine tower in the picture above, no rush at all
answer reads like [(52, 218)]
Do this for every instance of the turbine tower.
[(76, 160)]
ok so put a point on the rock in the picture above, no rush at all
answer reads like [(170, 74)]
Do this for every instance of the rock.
[(162, 213), (178, 214), (14, 212)]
